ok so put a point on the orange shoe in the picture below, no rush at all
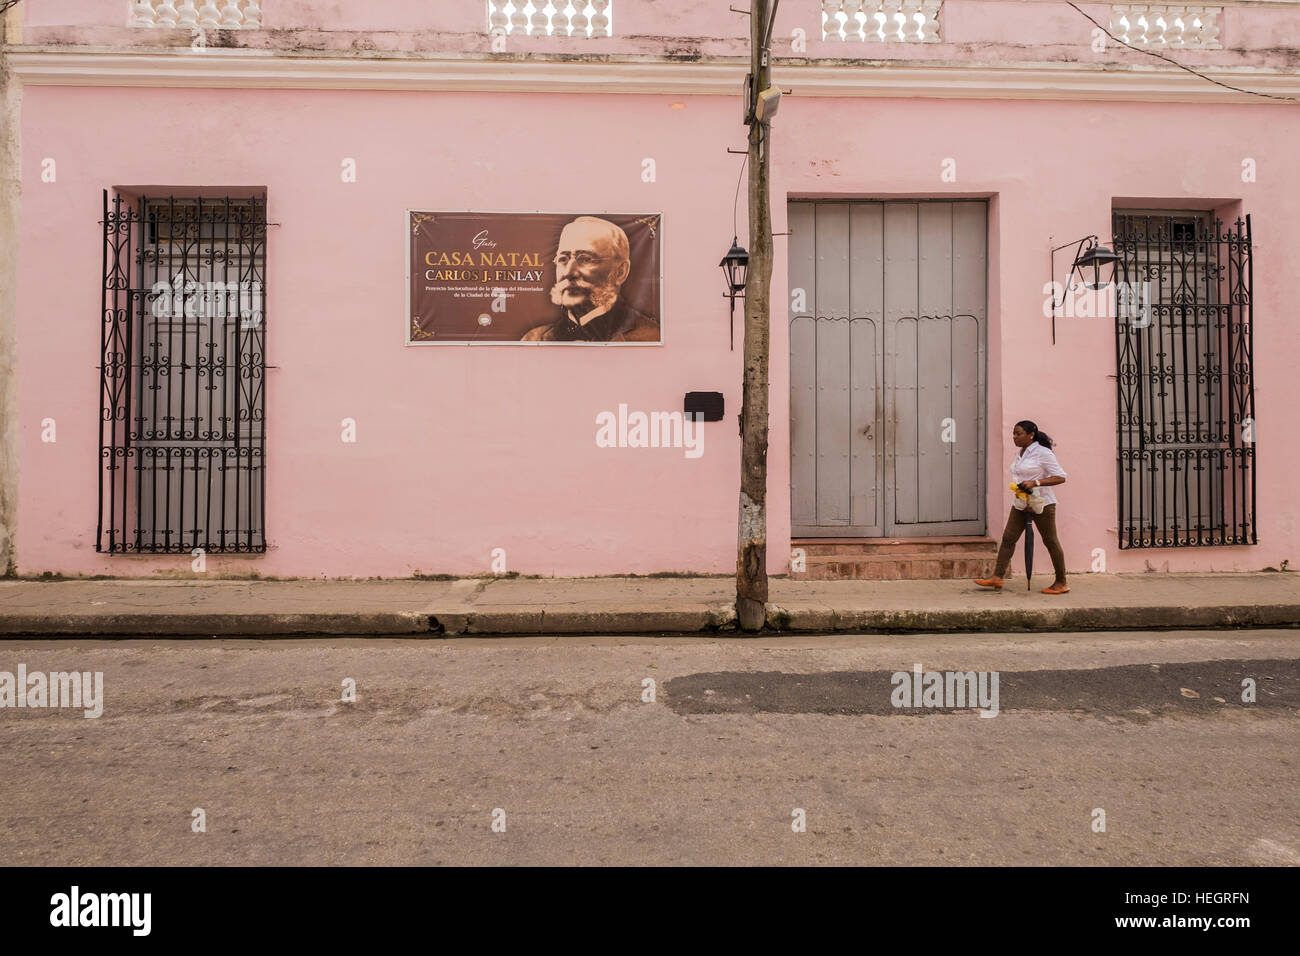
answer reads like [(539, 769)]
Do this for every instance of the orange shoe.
[(1063, 589), (995, 583)]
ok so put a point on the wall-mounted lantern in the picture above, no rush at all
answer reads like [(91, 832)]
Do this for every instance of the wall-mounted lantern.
[(734, 266), (1088, 254)]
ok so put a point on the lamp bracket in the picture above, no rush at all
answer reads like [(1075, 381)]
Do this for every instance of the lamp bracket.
[(1069, 278), (1079, 245)]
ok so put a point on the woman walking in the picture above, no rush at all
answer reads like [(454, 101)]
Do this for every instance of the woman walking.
[(1035, 466)]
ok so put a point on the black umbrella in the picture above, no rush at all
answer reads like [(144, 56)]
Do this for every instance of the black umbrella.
[(1029, 547)]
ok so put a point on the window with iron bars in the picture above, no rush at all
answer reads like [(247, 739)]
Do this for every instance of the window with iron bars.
[(182, 396), (1183, 352)]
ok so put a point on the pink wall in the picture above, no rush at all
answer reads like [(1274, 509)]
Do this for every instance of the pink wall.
[(462, 450)]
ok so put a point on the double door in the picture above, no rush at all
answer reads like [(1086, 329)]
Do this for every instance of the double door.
[(888, 341)]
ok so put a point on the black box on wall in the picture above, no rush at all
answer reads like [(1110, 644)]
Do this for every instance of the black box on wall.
[(708, 405)]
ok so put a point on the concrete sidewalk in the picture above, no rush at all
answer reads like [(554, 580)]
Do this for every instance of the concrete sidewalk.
[(478, 606)]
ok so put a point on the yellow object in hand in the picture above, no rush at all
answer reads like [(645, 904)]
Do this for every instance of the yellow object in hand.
[(1032, 499)]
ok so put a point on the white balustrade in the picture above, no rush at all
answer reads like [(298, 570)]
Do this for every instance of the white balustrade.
[(881, 21), (902, 21), (191, 15), (1163, 25), (231, 17), (209, 16), (589, 18)]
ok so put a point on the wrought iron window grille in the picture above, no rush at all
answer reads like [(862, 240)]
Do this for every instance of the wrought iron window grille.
[(1186, 403), (182, 375)]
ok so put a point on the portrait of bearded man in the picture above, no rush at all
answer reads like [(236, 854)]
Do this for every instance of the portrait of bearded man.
[(592, 262)]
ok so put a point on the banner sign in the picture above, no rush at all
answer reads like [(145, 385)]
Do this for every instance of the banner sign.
[(534, 278)]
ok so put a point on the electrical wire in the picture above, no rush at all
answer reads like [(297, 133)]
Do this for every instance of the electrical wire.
[(735, 207), (1167, 59)]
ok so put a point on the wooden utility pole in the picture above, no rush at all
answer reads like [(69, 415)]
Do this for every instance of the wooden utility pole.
[(751, 558)]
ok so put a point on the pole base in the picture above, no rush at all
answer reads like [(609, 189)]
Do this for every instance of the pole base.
[(750, 614)]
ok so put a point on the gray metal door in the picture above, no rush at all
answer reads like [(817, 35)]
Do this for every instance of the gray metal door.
[(888, 333)]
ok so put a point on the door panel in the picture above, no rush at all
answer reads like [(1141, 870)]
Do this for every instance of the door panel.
[(968, 418), (901, 345), (866, 342), (934, 477), (834, 413), (864, 431), (969, 298), (803, 367)]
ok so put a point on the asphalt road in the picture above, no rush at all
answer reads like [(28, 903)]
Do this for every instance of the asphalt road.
[(1150, 728)]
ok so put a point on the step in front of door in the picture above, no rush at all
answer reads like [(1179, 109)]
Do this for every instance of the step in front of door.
[(895, 559)]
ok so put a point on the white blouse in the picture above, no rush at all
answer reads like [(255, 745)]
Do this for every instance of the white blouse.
[(1036, 462)]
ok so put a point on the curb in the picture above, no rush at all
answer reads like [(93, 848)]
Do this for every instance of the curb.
[(697, 621), (214, 625), (719, 619), (824, 620)]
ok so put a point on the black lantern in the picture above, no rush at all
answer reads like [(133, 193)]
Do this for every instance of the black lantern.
[(1088, 254), (1095, 257), (734, 266)]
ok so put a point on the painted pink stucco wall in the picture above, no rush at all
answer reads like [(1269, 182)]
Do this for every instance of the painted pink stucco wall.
[(463, 450)]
